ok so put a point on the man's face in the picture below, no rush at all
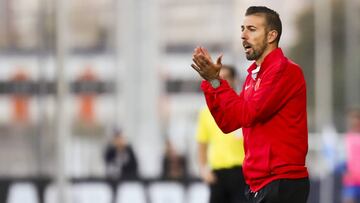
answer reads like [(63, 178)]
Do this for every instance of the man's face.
[(119, 142), (226, 75), (254, 36), (354, 121)]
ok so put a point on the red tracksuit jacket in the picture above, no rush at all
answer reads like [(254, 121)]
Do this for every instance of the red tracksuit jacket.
[(271, 110)]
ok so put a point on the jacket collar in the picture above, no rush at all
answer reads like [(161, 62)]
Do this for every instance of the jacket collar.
[(268, 60)]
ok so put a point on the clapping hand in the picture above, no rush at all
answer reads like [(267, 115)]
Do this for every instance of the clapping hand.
[(204, 64)]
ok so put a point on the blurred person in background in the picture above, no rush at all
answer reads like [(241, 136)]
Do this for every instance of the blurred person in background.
[(174, 164), (351, 179), (120, 158), (20, 99), (221, 155), (271, 110)]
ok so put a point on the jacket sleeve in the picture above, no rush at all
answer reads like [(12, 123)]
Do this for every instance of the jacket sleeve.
[(232, 111)]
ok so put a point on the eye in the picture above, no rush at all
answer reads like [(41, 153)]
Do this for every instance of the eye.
[(252, 29)]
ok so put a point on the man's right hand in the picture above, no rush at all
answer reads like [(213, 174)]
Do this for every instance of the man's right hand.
[(208, 176), (204, 64)]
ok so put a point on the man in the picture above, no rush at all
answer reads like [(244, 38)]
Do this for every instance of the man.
[(351, 178), (173, 164), (220, 156), (120, 158), (271, 110)]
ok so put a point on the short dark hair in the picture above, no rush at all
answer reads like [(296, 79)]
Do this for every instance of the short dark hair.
[(273, 21), (232, 70)]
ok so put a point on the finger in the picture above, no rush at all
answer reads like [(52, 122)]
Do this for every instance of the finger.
[(197, 50), (198, 63), (194, 51), (206, 56), (219, 59), (195, 68), (201, 61), (202, 50), (205, 52), (206, 61)]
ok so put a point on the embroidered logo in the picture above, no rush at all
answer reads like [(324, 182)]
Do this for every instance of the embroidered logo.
[(258, 81)]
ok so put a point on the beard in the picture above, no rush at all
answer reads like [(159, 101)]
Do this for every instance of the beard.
[(257, 52)]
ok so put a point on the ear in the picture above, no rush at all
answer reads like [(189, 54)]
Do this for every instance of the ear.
[(271, 36)]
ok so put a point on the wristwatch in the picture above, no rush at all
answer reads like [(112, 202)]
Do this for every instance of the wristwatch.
[(215, 83)]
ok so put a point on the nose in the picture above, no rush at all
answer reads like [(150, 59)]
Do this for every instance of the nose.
[(243, 35)]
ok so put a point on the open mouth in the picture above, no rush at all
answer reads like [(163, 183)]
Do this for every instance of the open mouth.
[(246, 46)]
